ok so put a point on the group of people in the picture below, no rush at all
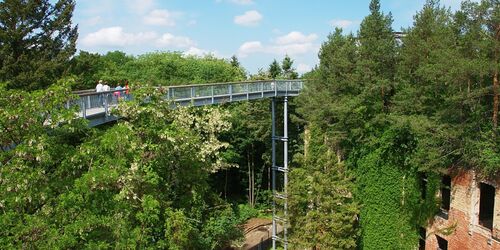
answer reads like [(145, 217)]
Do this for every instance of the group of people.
[(117, 94)]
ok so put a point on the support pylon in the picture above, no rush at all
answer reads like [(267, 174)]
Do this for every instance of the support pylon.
[(277, 195)]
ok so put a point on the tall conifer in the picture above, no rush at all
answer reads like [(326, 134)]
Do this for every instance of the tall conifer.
[(37, 40)]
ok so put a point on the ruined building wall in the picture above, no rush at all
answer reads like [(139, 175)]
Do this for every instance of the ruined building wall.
[(462, 229)]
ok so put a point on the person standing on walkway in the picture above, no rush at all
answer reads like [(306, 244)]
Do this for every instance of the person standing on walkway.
[(127, 91), (117, 92), (105, 88), (98, 89)]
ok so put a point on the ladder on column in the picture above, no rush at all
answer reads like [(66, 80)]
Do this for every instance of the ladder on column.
[(280, 197)]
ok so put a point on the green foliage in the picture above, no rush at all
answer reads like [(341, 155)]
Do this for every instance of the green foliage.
[(246, 212), (394, 113), (388, 189), (446, 75), (179, 231), (323, 212), (142, 183), (175, 69), (40, 133), (380, 114), (234, 61), (114, 68), (288, 70), (86, 67), (159, 68), (277, 71), (220, 229), (274, 69), (341, 118), (250, 146), (37, 41)]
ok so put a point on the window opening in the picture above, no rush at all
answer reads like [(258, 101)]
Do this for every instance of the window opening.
[(442, 243), (421, 241), (423, 185), (445, 196), (486, 205)]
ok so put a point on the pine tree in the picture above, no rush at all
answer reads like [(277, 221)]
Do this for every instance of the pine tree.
[(274, 69), (490, 14), (376, 66), (429, 87), (288, 70), (478, 27), (323, 212), (37, 40), (381, 174), (334, 80), (234, 61)]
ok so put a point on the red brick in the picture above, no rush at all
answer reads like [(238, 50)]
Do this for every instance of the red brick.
[(463, 213)]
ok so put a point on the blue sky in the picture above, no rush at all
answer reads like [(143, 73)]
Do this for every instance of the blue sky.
[(257, 31)]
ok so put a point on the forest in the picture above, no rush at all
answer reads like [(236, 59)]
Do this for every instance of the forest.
[(377, 114)]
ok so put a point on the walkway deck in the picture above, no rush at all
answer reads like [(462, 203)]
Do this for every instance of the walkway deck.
[(96, 107)]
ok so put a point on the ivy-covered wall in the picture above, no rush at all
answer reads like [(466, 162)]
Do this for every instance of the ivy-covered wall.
[(390, 190)]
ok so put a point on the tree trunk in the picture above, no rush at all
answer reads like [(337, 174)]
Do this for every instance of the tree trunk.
[(495, 80), (468, 86), (307, 139), (249, 179), (495, 99), (339, 155), (225, 187), (253, 179)]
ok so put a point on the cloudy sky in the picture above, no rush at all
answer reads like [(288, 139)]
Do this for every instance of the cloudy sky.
[(257, 31)]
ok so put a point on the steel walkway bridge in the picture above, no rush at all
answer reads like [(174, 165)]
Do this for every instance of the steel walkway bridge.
[(97, 107)]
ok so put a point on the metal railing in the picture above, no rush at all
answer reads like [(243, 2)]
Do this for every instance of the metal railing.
[(100, 103)]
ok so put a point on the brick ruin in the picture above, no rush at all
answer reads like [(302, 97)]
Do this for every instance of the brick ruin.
[(469, 216)]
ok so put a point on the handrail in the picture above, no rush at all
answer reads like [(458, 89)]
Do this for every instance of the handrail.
[(93, 92), (97, 104), (226, 83), (84, 92)]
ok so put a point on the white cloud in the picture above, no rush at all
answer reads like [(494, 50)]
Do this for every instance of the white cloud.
[(161, 17), (169, 40), (303, 68), (296, 37), (194, 51), (115, 36), (249, 18), (249, 48), (294, 43), (342, 23)]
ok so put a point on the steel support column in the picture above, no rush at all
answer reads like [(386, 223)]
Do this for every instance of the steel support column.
[(277, 195), (273, 167), (285, 171)]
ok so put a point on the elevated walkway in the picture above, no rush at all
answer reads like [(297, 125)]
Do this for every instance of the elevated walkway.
[(96, 107)]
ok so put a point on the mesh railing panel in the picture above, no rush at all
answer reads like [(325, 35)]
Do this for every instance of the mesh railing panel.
[(98, 102)]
